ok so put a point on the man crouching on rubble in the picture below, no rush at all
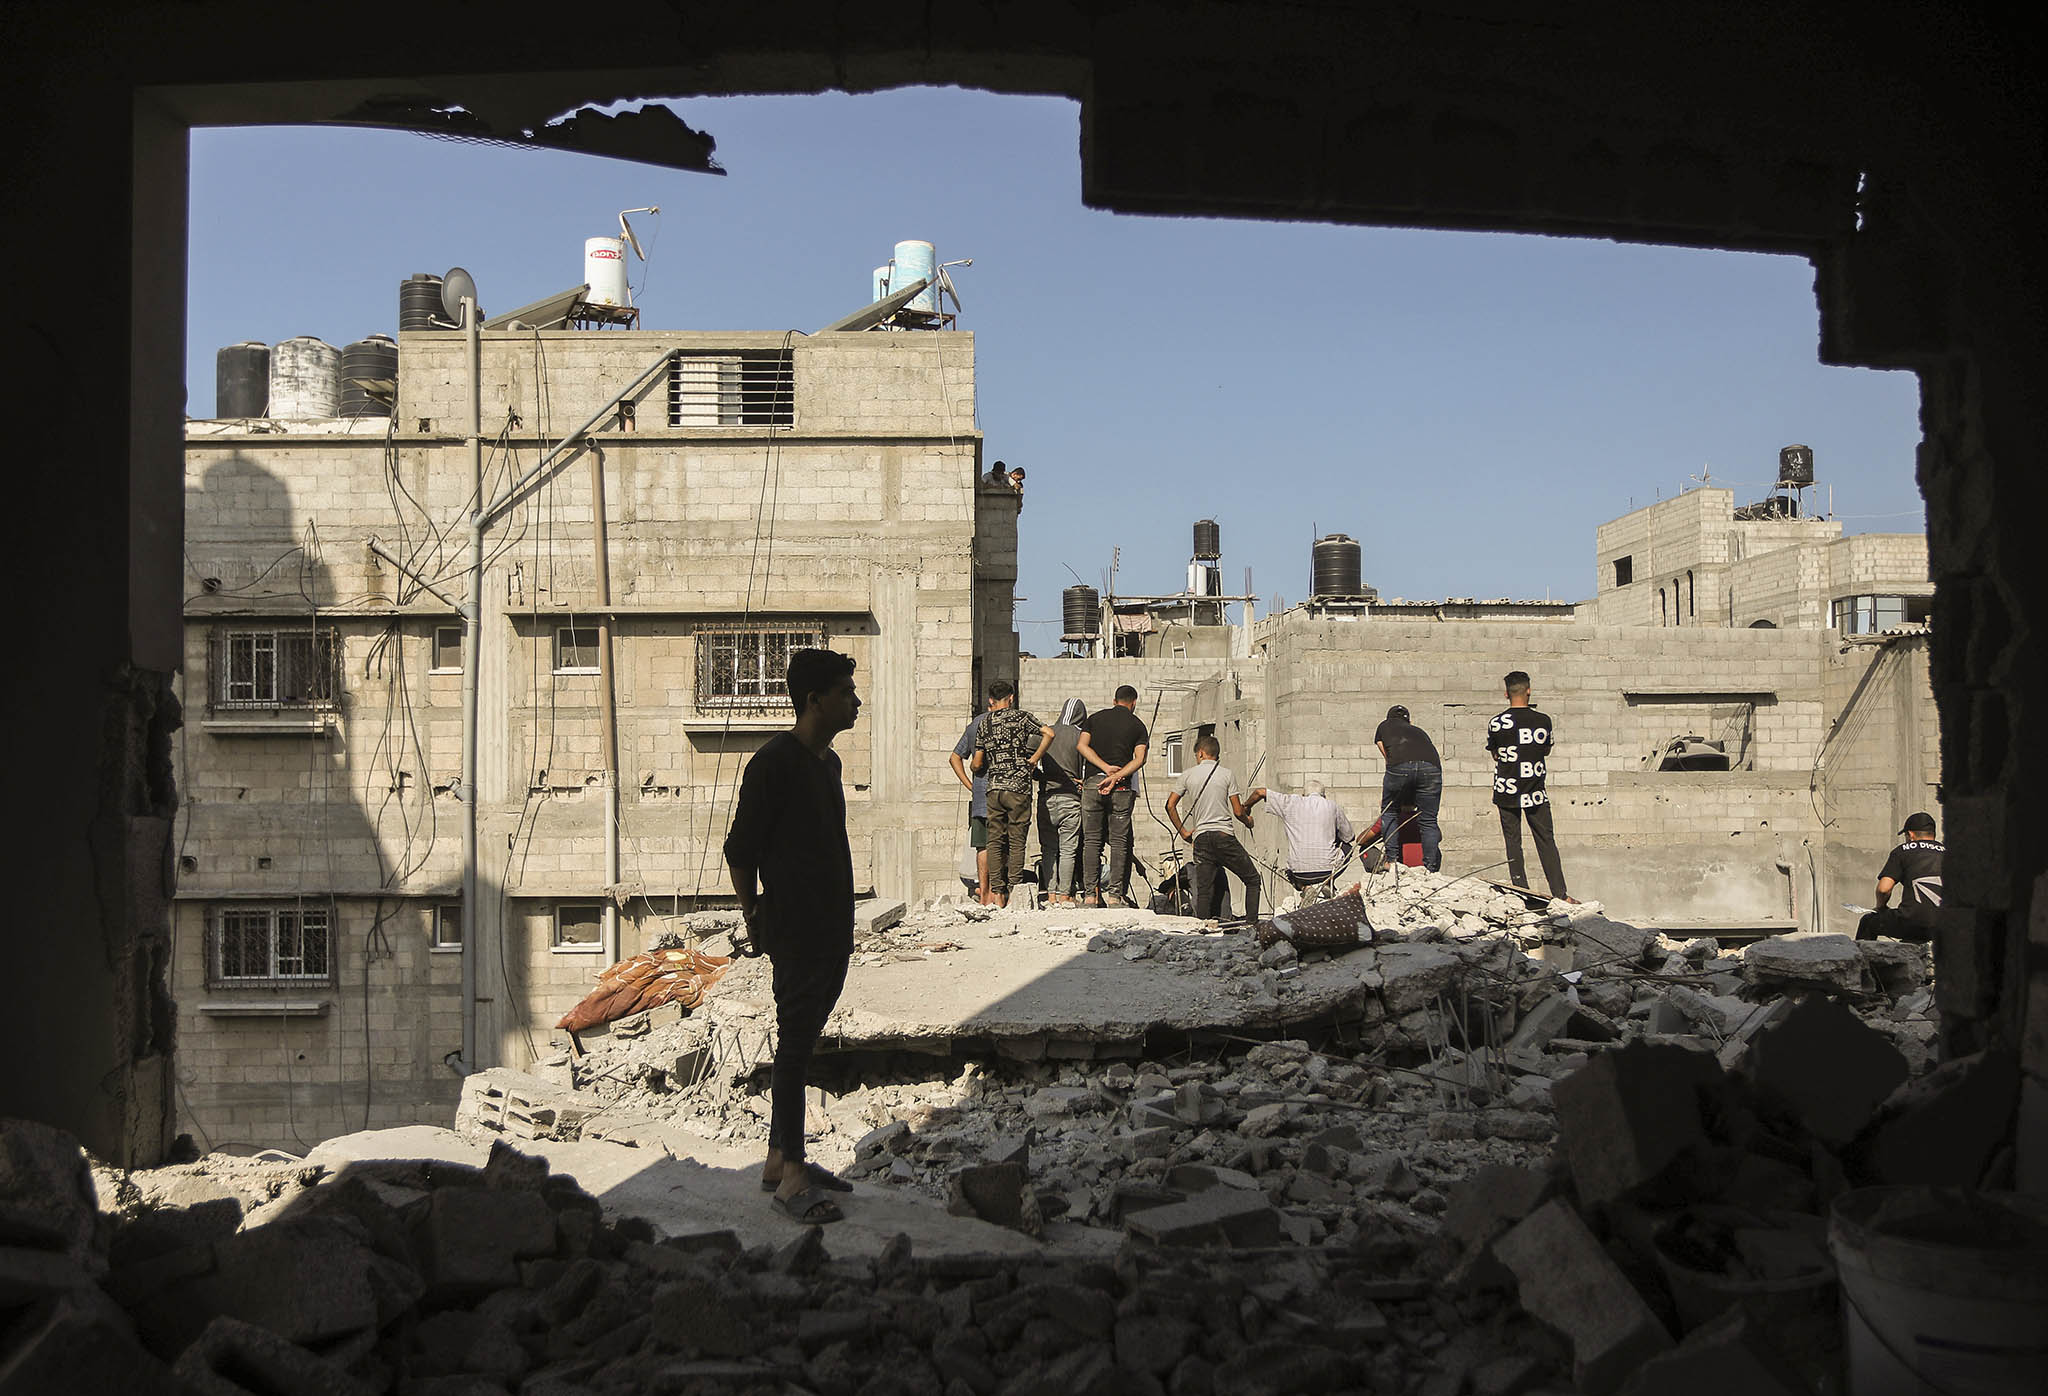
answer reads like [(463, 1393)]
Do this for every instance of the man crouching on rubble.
[(790, 832)]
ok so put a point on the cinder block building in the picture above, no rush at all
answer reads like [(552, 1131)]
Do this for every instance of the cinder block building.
[(1800, 653), (755, 493)]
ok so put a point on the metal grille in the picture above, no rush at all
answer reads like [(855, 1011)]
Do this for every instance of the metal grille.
[(747, 670), (257, 947), (749, 388), (273, 668)]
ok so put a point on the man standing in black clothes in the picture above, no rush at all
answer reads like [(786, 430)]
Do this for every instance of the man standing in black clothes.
[(788, 839), (1113, 740), (1415, 776), (1007, 744), (1520, 741), (1915, 866)]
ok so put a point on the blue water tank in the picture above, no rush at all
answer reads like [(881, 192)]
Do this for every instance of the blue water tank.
[(913, 260)]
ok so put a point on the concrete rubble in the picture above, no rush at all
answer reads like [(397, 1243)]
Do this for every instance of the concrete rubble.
[(1499, 1149)]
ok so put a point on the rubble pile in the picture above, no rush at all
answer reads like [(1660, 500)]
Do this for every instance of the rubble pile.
[(1514, 1149), (436, 1279), (1475, 1007)]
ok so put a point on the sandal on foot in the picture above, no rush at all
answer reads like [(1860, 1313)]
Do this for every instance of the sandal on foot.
[(811, 1207), (821, 1177)]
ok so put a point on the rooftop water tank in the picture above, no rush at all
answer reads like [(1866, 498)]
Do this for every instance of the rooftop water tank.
[(241, 380), (1795, 466), (419, 304), (913, 260), (1208, 539), (1080, 613), (305, 379), (366, 367), (1336, 567), (604, 269)]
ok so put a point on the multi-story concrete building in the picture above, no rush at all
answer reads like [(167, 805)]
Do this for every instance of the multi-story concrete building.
[(754, 493), (1696, 560), (1809, 671)]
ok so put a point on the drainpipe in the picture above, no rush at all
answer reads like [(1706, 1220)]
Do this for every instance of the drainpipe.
[(472, 634), (607, 704)]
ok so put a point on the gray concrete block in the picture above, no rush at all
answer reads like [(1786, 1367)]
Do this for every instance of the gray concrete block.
[(1628, 1114), (1828, 1067), (1219, 1217), (1567, 1281)]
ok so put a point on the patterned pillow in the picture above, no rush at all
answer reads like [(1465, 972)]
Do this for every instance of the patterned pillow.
[(1329, 925)]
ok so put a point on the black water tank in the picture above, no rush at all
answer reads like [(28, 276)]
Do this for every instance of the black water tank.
[(1080, 612), (366, 366), (1208, 539), (1336, 567), (241, 380), (1795, 465), (419, 304)]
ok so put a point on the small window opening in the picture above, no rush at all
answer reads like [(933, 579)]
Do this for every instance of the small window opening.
[(579, 926)]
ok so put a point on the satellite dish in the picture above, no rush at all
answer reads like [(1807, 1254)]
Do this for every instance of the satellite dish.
[(456, 286), (627, 229), (946, 287)]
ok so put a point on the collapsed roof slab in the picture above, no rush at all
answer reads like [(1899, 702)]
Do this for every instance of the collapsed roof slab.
[(1073, 983)]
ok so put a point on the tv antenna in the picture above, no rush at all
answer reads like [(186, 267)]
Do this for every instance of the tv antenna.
[(633, 241), (946, 286)]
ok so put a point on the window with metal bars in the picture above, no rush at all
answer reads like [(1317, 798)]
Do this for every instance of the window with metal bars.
[(746, 669), (254, 947), (741, 388), (273, 668)]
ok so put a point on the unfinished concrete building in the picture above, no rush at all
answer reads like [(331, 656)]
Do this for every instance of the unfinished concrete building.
[(1708, 779), (1891, 145), (828, 494)]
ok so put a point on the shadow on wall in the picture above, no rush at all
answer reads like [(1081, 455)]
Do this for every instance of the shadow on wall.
[(316, 845)]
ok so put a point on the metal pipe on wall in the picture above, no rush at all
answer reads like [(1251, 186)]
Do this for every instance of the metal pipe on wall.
[(607, 703), (472, 634)]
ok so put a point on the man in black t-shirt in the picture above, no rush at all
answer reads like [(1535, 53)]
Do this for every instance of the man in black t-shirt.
[(792, 870), (1415, 776), (1519, 741), (1915, 868), (1113, 741)]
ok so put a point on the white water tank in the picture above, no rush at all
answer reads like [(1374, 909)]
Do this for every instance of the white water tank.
[(305, 379), (604, 268)]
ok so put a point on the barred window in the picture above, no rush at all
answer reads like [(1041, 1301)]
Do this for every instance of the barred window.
[(747, 388), (270, 946), (748, 669), (273, 668)]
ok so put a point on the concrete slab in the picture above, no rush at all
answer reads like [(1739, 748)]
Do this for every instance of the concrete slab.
[(1022, 976), (686, 1185)]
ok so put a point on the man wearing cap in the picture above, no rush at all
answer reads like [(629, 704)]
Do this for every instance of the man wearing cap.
[(1415, 776), (1915, 866)]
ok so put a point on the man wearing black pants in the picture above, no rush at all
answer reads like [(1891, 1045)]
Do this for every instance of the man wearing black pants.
[(1113, 740), (1210, 793), (1915, 869), (1519, 740), (793, 872)]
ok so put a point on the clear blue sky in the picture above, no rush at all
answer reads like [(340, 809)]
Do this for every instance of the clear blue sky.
[(1469, 406)]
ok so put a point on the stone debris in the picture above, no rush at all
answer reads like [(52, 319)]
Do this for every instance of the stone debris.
[(1517, 1149)]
